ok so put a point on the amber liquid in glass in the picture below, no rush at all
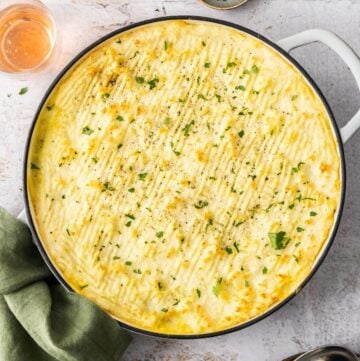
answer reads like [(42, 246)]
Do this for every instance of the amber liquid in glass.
[(26, 37)]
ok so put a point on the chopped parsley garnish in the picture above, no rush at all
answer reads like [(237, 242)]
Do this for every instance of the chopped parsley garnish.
[(291, 206), (309, 199), (217, 287), (128, 263), (119, 146), (176, 302), (278, 240), (120, 118), (164, 310), (269, 207), (116, 257), (105, 96), (166, 45), (160, 286), (49, 107), (159, 234), (300, 229), (255, 69), (198, 292), (296, 169), (142, 176), (23, 90), (294, 97), (203, 43), (83, 286), (228, 250), (131, 190), (229, 65), (67, 231), (152, 83), (201, 96), (241, 133), (218, 97), (176, 152), (264, 270), (187, 127), (236, 246), (241, 87), (208, 224), (139, 79), (86, 130), (128, 224), (313, 214), (108, 187), (95, 159), (137, 271), (167, 121), (207, 65), (136, 53), (247, 284), (296, 258), (129, 216), (34, 166), (201, 204)]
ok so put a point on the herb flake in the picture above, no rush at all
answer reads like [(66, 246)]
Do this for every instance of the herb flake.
[(152, 83), (87, 131), (142, 176), (23, 91), (201, 204), (187, 127), (139, 79), (228, 250), (241, 133), (217, 287), (278, 240)]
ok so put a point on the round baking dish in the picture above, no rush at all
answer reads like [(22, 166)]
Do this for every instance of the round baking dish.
[(282, 47)]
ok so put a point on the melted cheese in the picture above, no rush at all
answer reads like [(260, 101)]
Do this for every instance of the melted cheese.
[(162, 161)]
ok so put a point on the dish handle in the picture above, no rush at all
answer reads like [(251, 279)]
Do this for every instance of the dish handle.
[(345, 52)]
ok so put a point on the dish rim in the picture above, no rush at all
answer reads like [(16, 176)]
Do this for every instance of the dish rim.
[(327, 244)]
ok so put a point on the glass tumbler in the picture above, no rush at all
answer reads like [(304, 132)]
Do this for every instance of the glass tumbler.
[(27, 36)]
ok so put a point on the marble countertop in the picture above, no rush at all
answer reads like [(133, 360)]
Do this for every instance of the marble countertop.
[(327, 311)]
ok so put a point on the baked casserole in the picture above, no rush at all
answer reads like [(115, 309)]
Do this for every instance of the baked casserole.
[(184, 176)]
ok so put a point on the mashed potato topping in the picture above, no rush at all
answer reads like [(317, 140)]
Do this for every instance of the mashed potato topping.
[(184, 176)]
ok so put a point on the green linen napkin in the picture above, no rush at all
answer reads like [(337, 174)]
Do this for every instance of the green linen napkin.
[(39, 319)]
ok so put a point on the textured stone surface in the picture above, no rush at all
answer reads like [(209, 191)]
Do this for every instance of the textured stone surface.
[(328, 309)]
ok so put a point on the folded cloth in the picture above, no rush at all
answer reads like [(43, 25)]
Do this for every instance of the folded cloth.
[(39, 319)]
